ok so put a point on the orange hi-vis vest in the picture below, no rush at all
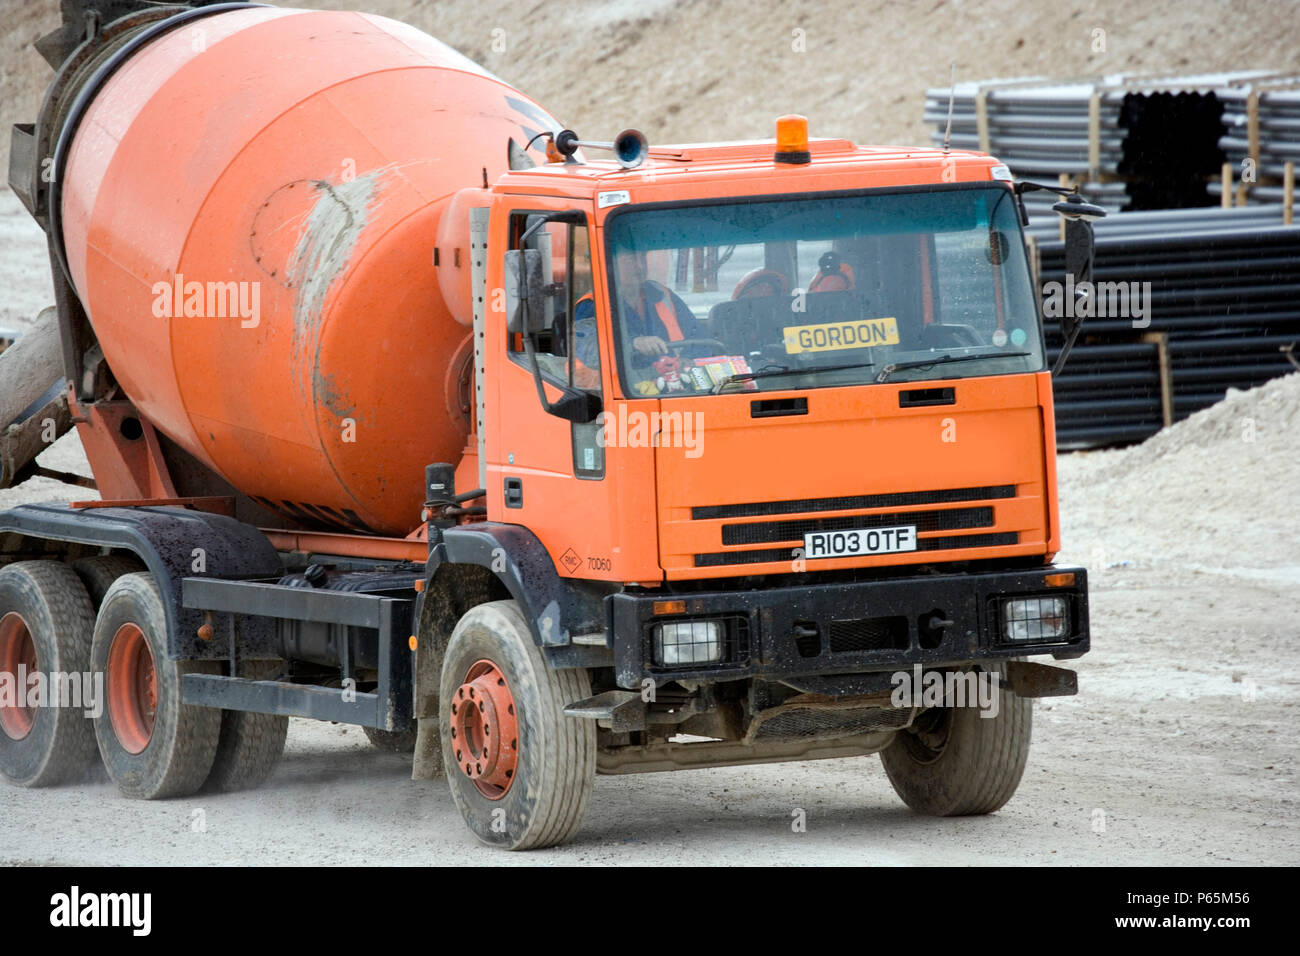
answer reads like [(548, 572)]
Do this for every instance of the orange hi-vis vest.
[(667, 314)]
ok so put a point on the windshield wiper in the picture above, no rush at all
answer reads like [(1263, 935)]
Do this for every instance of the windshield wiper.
[(772, 370), (890, 369)]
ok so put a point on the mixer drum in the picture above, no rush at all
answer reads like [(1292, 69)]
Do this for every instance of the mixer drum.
[(250, 206)]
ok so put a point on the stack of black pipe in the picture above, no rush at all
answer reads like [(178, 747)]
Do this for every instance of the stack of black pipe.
[(1171, 148), (1161, 141), (1224, 291), (1279, 137)]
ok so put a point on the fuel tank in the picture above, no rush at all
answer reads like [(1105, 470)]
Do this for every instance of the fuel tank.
[(250, 206)]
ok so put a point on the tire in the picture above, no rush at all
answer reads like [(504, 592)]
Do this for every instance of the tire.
[(170, 753), (248, 752), (393, 741), (251, 744), (45, 622), (953, 762), (99, 572), (551, 757)]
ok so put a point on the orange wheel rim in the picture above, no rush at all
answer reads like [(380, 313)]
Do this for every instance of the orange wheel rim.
[(132, 688), (484, 729), (18, 661)]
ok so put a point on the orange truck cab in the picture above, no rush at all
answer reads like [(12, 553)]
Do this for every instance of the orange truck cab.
[(867, 470), (702, 455)]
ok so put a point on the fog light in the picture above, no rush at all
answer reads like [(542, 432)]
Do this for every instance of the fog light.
[(1035, 619), (688, 642)]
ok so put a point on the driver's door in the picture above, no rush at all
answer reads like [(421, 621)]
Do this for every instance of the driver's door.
[(551, 472)]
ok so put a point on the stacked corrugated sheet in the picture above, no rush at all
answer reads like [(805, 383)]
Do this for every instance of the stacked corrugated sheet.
[(1223, 302), (1133, 142)]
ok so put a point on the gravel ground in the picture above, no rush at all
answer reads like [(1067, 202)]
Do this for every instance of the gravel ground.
[(1179, 748)]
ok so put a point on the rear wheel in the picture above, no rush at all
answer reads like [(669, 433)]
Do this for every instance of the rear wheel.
[(99, 572), (520, 771), (153, 745), (251, 744), (953, 762), (45, 624), (249, 750)]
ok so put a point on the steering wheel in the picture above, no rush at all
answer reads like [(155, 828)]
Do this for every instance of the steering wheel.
[(689, 343)]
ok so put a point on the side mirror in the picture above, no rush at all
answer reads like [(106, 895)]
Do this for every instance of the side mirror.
[(525, 291), (1079, 247), (576, 406)]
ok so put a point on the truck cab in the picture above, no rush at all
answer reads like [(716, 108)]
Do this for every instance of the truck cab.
[(827, 375)]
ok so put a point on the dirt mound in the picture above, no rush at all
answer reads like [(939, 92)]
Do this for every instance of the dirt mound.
[(691, 70), (1220, 489)]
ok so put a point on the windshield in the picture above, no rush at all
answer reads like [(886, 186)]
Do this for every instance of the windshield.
[(769, 295)]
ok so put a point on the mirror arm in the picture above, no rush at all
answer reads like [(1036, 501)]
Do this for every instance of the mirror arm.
[(1080, 247), (1066, 346), (536, 369)]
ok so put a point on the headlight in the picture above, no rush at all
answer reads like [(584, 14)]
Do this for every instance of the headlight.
[(1036, 619), (688, 642)]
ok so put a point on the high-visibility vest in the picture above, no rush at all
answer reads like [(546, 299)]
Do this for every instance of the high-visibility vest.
[(667, 313)]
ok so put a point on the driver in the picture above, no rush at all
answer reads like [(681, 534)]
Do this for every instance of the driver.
[(653, 315)]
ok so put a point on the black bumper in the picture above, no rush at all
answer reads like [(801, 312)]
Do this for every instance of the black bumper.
[(818, 631)]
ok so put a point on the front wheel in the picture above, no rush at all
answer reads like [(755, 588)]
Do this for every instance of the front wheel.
[(520, 771), (954, 762)]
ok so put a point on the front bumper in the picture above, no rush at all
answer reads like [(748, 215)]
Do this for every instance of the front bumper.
[(815, 632)]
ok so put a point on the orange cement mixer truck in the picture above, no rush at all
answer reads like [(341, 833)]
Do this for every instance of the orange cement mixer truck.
[(535, 457)]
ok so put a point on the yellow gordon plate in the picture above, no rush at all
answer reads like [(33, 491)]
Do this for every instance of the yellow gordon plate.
[(834, 336)]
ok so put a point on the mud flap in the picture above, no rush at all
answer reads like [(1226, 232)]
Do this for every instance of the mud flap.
[(427, 764), (1028, 679)]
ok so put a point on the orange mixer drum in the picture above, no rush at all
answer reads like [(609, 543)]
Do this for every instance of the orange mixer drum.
[(250, 206)]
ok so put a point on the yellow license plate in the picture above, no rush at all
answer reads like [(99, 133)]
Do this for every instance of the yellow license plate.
[(834, 336)]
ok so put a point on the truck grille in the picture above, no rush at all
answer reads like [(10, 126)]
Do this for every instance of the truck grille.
[(869, 634), (714, 559), (790, 532), (902, 499), (764, 532)]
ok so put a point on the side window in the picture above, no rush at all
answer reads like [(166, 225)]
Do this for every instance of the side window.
[(567, 351)]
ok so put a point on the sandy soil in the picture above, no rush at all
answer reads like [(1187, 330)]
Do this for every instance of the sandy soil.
[(1161, 747), (1180, 747)]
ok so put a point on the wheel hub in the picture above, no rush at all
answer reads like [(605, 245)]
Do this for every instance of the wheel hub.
[(132, 688), (927, 738), (18, 659), (484, 729)]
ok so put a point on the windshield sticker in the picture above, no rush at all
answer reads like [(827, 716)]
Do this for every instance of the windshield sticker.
[(834, 336)]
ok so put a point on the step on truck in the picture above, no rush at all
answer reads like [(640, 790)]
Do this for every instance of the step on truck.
[(533, 456)]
